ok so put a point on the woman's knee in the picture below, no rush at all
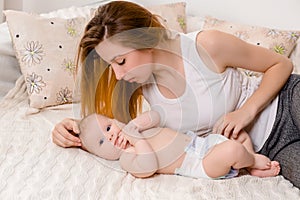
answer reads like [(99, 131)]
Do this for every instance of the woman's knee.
[(289, 160)]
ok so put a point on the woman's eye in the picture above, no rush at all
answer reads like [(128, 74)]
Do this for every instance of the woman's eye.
[(108, 128), (122, 62)]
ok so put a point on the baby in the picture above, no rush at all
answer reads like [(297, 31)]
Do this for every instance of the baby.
[(144, 149)]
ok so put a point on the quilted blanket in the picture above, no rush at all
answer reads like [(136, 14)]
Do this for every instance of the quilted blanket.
[(32, 167)]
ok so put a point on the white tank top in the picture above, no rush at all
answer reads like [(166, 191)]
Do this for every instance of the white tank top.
[(207, 97)]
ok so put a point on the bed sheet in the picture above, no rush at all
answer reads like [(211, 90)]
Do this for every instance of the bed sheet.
[(32, 167)]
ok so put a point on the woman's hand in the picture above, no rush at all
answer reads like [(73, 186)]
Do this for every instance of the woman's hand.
[(232, 123), (64, 133)]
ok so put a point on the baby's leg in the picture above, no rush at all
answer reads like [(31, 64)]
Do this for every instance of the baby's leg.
[(230, 153), (225, 155), (263, 166), (245, 139)]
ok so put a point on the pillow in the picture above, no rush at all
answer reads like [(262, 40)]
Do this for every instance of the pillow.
[(9, 67), (172, 15), (280, 41), (295, 57), (194, 23), (46, 50)]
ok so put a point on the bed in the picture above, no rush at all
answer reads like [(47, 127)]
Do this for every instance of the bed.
[(32, 167)]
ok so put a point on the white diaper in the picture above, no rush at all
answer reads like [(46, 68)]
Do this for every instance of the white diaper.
[(195, 151)]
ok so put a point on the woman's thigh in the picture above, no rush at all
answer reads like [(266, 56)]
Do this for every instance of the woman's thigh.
[(289, 159), (295, 101)]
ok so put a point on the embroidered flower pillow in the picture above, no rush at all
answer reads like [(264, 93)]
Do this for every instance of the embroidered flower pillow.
[(46, 51), (280, 41), (171, 15)]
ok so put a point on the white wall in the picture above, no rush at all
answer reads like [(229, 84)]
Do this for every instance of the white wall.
[(42, 6), (1, 8), (284, 14)]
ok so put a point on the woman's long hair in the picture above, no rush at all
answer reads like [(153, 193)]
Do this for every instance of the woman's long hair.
[(127, 24)]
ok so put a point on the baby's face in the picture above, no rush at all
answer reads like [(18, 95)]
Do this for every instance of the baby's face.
[(99, 134)]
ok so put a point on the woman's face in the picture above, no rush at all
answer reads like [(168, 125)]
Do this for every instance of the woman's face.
[(128, 64)]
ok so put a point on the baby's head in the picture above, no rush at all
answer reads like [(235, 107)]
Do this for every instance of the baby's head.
[(95, 132)]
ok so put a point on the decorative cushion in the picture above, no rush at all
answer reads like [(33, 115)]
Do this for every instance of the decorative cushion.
[(172, 15), (280, 41), (46, 49)]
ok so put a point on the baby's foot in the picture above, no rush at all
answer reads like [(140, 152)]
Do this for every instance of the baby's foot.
[(272, 171), (261, 162)]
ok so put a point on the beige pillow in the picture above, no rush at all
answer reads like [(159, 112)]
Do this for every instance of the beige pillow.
[(280, 41), (172, 15), (46, 51)]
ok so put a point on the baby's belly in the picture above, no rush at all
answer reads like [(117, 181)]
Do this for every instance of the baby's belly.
[(170, 169), (171, 154)]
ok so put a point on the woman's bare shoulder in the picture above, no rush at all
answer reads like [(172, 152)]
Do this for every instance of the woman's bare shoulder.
[(211, 40)]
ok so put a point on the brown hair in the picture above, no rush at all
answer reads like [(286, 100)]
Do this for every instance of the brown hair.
[(100, 90)]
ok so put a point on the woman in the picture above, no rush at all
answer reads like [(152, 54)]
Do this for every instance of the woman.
[(126, 54)]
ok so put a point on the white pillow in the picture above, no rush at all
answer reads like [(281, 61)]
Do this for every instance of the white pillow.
[(9, 67)]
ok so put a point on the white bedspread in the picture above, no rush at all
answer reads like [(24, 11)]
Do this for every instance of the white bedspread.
[(32, 167)]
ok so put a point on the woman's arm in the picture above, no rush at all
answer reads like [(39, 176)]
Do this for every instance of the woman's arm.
[(142, 161), (227, 50)]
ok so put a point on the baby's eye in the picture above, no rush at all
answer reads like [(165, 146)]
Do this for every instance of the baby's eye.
[(101, 141), (108, 128)]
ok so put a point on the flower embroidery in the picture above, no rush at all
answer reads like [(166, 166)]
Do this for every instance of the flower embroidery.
[(214, 22), (72, 28), (250, 73), (181, 21), (64, 96), (69, 66), (273, 33), (33, 53), (292, 36), (34, 83), (242, 35), (279, 48)]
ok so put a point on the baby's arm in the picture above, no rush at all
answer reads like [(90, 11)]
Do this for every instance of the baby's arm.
[(141, 161), (146, 120)]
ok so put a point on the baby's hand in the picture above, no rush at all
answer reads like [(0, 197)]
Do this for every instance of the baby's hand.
[(131, 133), (122, 142)]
